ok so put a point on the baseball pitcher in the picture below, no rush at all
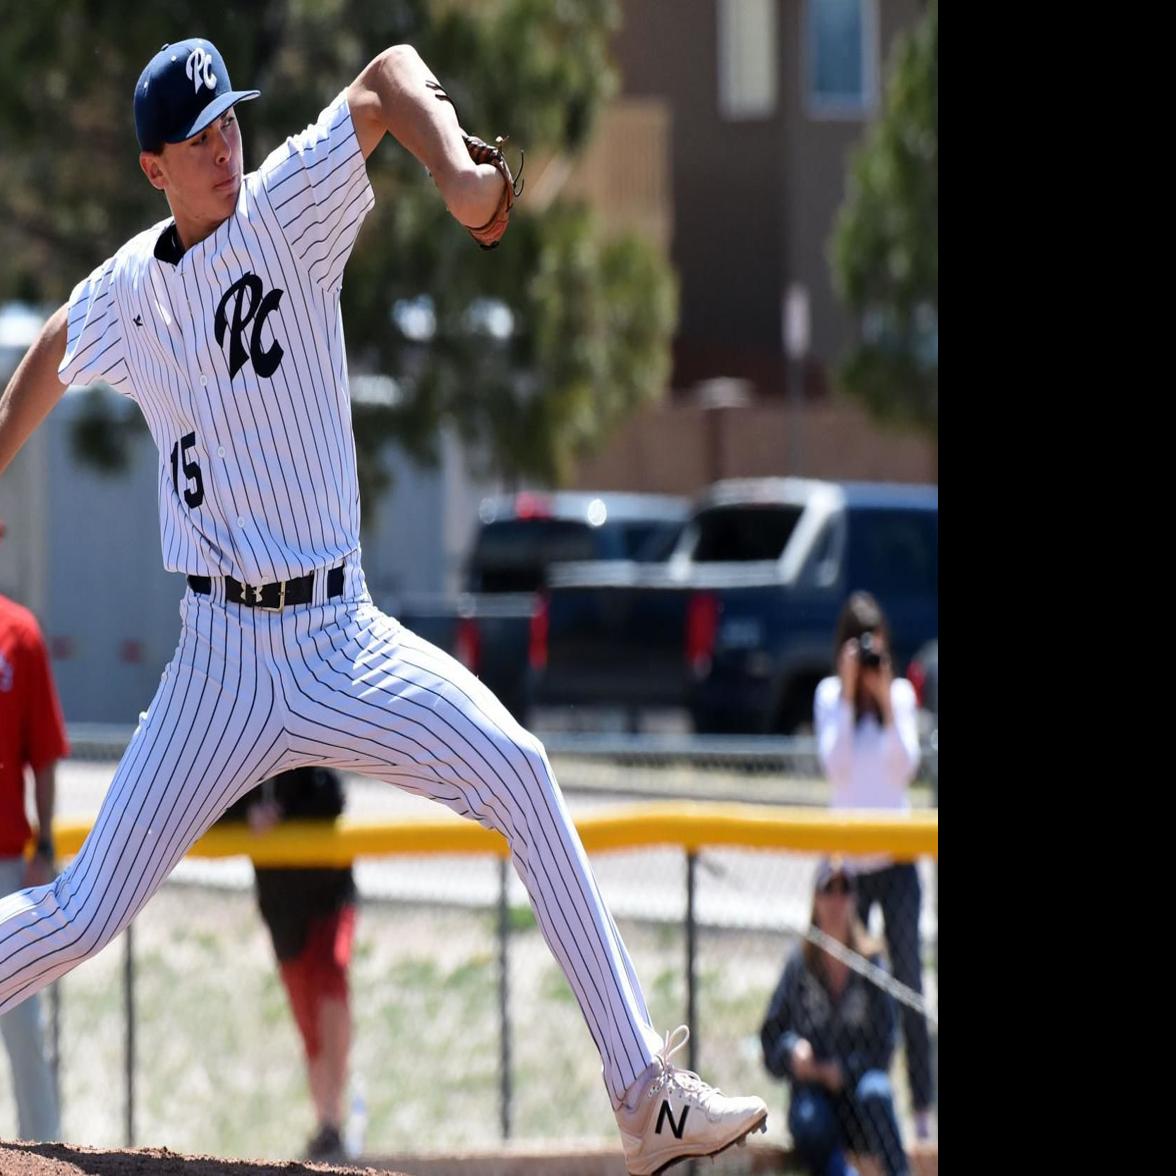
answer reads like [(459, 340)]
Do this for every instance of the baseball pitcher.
[(222, 322)]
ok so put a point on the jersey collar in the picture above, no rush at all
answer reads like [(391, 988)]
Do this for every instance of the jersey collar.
[(168, 247)]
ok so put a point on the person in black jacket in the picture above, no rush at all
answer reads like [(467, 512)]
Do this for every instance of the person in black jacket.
[(830, 1032), (310, 913)]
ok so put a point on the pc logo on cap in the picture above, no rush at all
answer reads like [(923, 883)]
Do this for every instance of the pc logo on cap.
[(182, 89)]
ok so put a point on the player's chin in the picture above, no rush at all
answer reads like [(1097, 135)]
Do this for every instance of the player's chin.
[(226, 193)]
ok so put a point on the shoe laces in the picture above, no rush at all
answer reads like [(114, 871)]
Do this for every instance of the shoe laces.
[(686, 1082)]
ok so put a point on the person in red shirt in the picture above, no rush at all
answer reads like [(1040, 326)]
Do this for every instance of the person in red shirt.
[(32, 736)]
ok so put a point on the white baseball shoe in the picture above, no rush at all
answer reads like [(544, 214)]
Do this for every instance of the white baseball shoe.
[(675, 1115)]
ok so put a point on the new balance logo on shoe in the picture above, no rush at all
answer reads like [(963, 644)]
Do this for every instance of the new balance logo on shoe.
[(648, 1106), (666, 1114)]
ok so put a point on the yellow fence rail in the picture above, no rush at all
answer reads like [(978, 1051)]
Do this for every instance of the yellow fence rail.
[(689, 826)]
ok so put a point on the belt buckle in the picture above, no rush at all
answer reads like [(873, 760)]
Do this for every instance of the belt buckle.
[(271, 607)]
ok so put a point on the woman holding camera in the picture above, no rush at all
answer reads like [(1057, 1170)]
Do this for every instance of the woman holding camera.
[(866, 724)]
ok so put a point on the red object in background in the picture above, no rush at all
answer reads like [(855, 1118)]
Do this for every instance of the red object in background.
[(537, 647), (917, 677), (469, 644), (702, 630), (32, 731), (529, 505), (130, 651)]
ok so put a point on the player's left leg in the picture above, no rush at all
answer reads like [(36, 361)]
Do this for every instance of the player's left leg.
[(367, 695)]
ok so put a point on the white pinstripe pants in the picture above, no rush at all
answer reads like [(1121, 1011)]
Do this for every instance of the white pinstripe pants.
[(250, 694)]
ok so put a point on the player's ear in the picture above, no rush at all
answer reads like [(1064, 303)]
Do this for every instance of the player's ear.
[(150, 162)]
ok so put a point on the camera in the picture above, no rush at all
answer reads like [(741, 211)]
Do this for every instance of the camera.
[(870, 654)]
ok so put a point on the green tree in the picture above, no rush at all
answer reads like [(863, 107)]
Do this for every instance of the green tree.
[(886, 242), (583, 321)]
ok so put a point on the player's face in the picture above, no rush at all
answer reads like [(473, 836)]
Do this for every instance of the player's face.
[(202, 175)]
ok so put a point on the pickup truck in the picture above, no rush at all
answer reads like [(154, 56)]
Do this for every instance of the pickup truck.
[(737, 625), (488, 627)]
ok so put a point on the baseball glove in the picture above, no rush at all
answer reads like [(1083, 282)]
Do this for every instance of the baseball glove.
[(489, 234)]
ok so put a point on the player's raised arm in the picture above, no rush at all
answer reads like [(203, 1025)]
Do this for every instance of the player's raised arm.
[(34, 388), (397, 94)]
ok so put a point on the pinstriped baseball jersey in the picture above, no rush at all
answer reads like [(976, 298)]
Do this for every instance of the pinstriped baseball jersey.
[(234, 351)]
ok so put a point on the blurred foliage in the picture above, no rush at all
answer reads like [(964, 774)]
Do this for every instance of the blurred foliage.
[(886, 242), (592, 315)]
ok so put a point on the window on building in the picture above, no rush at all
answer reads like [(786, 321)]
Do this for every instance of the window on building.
[(842, 48), (748, 58)]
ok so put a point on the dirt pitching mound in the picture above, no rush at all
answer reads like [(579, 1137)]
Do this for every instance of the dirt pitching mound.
[(63, 1159)]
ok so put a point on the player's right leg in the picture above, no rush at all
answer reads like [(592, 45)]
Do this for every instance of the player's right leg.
[(211, 732)]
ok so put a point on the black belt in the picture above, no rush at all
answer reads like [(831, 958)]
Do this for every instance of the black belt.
[(271, 597)]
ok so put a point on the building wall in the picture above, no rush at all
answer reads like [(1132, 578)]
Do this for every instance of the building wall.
[(679, 448), (754, 200)]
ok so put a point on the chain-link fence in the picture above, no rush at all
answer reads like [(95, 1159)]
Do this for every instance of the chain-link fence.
[(465, 1029)]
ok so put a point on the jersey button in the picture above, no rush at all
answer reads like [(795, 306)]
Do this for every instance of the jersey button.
[(220, 452), (203, 381), (240, 521)]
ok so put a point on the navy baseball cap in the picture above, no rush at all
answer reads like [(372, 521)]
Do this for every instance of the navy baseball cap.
[(182, 89)]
